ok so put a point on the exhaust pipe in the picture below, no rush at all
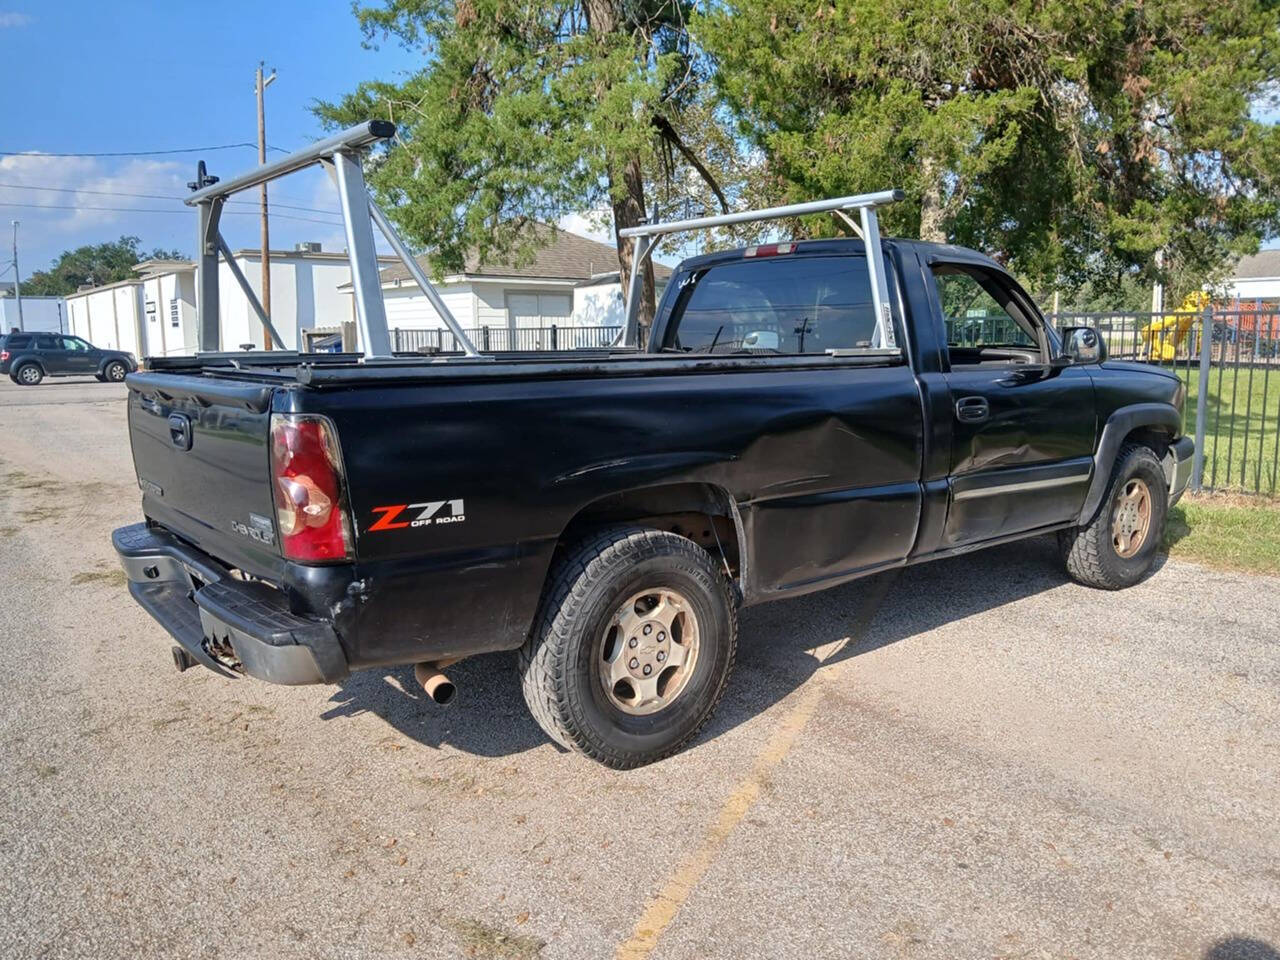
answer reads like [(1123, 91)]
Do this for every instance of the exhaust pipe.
[(437, 686)]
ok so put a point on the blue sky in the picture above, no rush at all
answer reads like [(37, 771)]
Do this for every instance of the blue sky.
[(89, 77)]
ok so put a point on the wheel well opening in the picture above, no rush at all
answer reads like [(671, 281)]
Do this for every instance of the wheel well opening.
[(702, 512), (1157, 438)]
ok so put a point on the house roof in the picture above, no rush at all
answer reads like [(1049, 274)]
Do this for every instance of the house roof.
[(1264, 263), (564, 256)]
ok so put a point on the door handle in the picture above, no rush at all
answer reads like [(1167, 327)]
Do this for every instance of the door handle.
[(972, 409)]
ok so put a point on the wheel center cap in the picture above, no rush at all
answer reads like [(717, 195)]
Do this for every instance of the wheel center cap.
[(647, 649)]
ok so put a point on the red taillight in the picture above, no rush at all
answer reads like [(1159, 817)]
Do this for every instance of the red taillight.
[(306, 478), (4, 355)]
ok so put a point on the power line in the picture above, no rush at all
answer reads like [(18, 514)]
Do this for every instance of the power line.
[(242, 213), (145, 196), (136, 153)]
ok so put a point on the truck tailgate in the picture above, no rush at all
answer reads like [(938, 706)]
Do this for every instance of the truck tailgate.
[(200, 450)]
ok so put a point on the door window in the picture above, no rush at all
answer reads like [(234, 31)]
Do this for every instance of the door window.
[(787, 305), (46, 342), (984, 322), (74, 343)]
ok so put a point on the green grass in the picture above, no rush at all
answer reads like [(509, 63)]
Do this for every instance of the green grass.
[(1242, 426), (1229, 532)]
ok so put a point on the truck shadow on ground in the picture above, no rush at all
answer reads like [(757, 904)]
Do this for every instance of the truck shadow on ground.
[(1241, 948), (781, 645)]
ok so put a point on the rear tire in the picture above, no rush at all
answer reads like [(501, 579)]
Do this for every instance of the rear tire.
[(115, 371), (1117, 548), (28, 375), (609, 606)]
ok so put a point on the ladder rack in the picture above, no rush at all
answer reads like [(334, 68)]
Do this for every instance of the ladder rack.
[(340, 155)]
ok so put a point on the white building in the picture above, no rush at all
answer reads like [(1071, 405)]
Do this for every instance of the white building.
[(48, 314), (571, 283), (108, 316), (1255, 279), (155, 315)]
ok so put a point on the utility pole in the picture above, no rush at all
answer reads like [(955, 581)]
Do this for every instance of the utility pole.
[(261, 86), (17, 277)]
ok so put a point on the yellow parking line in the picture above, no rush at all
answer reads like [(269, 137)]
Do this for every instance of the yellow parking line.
[(662, 909)]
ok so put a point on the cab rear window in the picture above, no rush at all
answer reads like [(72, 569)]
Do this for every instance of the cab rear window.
[(783, 305)]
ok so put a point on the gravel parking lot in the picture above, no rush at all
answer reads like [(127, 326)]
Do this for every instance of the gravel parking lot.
[(973, 758)]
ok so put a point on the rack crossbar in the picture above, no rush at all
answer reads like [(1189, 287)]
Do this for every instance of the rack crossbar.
[(351, 139), (864, 203), (855, 202)]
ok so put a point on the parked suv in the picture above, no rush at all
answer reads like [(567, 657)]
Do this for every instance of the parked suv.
[(30, 357)]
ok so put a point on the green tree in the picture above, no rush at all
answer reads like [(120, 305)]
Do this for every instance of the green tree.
[(527, 111), (94, 264), (1071, 138)]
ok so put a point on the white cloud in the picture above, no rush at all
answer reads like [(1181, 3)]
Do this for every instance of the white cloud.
[(69, 201), (596, 224), (14, 20), (85, 200)]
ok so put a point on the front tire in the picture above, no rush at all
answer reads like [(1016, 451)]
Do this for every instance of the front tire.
[(115, 371), (632, 647), (28, 375), (1117, 548)]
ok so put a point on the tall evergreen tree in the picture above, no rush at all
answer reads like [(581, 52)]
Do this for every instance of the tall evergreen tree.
[(1074, 138), (532, 110)]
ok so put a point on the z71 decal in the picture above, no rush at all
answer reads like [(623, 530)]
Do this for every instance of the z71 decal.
[(402, 515)]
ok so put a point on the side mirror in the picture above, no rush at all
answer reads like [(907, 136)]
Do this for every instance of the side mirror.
[(1083, 345)]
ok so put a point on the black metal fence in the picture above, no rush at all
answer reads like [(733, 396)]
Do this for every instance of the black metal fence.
[(501, 338), (1232, 379)]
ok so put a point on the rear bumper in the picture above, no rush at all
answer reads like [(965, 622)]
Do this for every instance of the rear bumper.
[(229, 625), (1178, 462)]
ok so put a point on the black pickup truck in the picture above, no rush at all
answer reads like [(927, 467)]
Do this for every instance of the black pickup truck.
[(606, 513)]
